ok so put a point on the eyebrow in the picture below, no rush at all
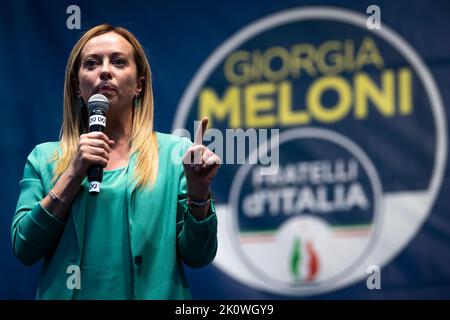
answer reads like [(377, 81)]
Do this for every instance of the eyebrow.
[(114, 54)]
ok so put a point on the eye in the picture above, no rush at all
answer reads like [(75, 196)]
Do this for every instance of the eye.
[(90, 63), (119, 62)]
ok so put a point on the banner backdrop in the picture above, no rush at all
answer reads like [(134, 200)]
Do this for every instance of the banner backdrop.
[(351, 120)]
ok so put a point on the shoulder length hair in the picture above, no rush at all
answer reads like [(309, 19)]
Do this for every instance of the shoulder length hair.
[(75, 119)]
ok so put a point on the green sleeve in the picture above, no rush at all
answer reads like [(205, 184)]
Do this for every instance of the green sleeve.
[(34, 230), (196, 240)]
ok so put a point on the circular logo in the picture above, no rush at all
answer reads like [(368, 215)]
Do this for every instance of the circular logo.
[(317, 203), (358, 144)]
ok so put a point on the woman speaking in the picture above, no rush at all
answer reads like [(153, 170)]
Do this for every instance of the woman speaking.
[(152, 213)]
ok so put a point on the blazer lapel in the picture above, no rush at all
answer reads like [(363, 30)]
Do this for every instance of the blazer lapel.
[(79, 216), (139, 203), (131, 185)]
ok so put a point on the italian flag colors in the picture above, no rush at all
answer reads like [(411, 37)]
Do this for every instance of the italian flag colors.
[(304, 260)]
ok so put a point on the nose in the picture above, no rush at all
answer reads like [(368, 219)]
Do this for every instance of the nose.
[(105, 73)]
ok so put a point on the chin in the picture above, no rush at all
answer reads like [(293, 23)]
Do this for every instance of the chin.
[(108, 95)]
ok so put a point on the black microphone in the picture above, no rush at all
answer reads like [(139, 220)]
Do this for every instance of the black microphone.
[(98, 106)]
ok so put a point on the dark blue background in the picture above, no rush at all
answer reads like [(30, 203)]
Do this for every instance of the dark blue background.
[(178, 37)]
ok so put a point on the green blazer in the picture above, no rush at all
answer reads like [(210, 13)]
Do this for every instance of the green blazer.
[(163, 233)]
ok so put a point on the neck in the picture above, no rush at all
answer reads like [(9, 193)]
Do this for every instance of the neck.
[(118, 127)]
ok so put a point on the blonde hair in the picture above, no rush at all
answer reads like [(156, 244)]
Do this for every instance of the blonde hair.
[(75, 119)]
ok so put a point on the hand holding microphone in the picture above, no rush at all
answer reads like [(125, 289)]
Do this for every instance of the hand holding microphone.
[(94, 147), (98, 106)]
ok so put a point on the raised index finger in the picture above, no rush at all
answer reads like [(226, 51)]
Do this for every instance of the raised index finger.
[(198, 139)]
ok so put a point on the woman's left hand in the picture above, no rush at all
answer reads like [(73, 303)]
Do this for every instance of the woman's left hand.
[(200, 166)]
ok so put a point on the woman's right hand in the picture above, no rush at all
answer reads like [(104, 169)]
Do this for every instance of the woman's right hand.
[(93, 148)]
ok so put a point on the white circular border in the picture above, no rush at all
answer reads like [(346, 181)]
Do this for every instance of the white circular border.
[(331, 14)]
